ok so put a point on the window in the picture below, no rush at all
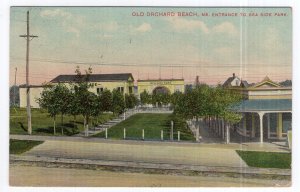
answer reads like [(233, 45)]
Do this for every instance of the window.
[(100, 90), (121, 89), (236, 82)]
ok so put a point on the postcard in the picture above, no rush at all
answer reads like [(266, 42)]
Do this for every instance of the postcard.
[(139, 96)]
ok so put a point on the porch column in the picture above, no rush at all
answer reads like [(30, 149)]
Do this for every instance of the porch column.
[(269, 130), (222, 126), (253, 126), (244, 125), (227, 132), (261, 133), (279, 126)]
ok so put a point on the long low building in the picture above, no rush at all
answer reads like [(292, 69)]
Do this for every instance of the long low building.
[(123, 82)]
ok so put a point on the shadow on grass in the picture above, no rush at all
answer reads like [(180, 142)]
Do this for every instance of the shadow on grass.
[(22, 126), (68, 129), (76, 122)]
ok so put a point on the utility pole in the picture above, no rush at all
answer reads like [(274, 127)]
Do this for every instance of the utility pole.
[(15, 86), (159, 71), (28, 38)]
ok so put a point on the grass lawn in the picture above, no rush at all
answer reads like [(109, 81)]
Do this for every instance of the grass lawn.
[(266, 159), (152, 125), (42, 123), (21, 146)]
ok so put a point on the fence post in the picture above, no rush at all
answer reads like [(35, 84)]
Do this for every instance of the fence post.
[(171, 132), (124, 133), (178, 135), (162, 135), (105, 133), (143, 134)]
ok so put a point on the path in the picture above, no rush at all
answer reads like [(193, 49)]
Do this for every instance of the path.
[(252, 146)]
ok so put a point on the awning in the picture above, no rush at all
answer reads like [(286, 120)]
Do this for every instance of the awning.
[(267, 105)]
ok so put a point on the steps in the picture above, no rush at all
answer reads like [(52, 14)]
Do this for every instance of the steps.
[(100, 128)]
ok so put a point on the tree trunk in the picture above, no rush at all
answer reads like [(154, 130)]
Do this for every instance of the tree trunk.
[(197, 129), (74, 125), (62, 124), (227, 133), (87, 126), (84, 125), (54, 131)]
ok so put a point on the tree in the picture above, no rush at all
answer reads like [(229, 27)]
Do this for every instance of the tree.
[(14, 99), (51, 102), (203, 101), (118, 102), (160, 99), (74, 109), (130, 100), (286, 83), (64, 95), (84, 98), (175, 97), (145, 98), (105, 99)]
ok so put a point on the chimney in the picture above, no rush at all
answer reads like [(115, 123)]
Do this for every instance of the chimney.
[(197, 80), (233, 74)]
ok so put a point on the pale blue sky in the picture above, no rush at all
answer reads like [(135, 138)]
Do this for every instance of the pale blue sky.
[(211, 47)]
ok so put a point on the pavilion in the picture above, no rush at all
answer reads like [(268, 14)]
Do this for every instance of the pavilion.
[(266, 109)]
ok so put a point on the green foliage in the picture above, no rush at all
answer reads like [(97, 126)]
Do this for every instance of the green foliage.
[(130, 100), (176, 97), (118, 102), (14, 96), (105, 99), (55, 99), (145, 98), (160, 99), (266, 159), (181, 125), (205, 101), (21, 146), (42, 122), (49, 99)]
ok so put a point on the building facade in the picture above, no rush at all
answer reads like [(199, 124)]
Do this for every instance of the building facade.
[(266, 109), (160, 86), (123, 82)]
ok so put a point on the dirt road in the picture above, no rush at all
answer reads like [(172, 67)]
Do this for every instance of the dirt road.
[(21, 175)]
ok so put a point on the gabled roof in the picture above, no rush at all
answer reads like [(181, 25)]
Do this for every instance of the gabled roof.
[(227, 83), (244, 84), (266, 81), (95, 78)]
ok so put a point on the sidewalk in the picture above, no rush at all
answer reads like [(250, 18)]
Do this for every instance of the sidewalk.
[(251, 146), (168, 154)]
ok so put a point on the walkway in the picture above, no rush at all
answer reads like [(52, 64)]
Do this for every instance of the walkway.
[(251, 146)]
